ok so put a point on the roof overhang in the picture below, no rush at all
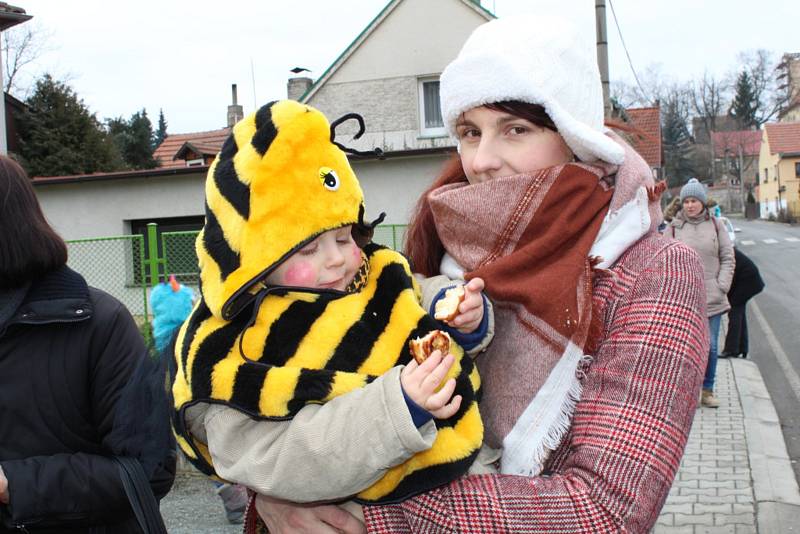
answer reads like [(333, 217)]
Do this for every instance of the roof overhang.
[(11, 16), (104, 176)]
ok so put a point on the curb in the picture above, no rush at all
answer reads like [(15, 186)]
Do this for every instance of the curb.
[(775, 488)]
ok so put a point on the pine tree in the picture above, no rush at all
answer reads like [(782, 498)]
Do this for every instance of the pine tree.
[(677, 143), (745, 104), (161, 132), (134, 139), (60, 136)]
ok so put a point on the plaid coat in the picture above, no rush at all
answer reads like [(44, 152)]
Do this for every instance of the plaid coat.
[(614, 469)]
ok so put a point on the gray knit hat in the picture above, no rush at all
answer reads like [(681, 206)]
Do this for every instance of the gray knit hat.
[(695, 189)]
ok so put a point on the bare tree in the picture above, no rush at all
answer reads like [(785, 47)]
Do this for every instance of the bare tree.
[(22, 45), (764, 72), (654, 86)]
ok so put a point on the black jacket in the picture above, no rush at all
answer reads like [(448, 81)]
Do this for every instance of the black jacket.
[(66, 355), (747, 281)]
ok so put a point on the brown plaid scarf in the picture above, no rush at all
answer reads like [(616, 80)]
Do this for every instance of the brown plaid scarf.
[(529, 236)]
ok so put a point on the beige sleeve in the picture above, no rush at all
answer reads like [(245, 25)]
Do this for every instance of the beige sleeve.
[(326, 452), (727, 259), (431, 286)]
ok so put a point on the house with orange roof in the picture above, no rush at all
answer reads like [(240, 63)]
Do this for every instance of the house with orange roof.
[(779, 169), (647, 140), (736, 162)]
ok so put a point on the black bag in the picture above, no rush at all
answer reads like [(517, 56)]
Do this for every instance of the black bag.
[(140, 495)]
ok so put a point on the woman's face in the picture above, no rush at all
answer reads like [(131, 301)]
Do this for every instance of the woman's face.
[(496, 143), (692, 207)]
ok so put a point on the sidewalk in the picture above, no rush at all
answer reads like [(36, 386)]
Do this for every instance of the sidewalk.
[(735, 476)]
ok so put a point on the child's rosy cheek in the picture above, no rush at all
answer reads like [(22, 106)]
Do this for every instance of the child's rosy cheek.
[(356, 254), (301, 274)]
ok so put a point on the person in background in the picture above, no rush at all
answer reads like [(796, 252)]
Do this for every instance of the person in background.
[(696, 227), (72, 395), (747, 283)]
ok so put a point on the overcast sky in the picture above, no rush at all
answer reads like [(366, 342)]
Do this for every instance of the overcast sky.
[(182, 56)]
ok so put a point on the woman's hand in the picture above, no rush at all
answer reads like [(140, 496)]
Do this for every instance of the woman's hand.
[(421, 381), (3, 487), (470, 311), (284, 517)]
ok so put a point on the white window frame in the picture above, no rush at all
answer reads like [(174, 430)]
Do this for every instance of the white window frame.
[(198, 162), (427, 132)]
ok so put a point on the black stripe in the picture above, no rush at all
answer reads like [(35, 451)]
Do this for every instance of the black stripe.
[(229, 148), (198, 316), (247, 386), (265, 129), (217, 247), (425, 480), (357, 342), (312, 385), (290, 328), (231, 188), (213, 349)]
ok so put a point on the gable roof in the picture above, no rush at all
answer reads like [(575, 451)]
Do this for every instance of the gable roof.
[(783, 137), (648, 121), (364, 35), (210, 142), (728, 143)]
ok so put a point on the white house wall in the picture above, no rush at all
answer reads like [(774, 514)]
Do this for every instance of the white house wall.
[(103, 208)]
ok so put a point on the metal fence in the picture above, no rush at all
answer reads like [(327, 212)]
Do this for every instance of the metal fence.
[(126, 266)]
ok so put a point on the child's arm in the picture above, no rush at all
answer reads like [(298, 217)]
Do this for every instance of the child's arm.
[(343, 446)]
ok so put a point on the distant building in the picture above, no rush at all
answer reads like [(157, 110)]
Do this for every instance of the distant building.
[(789, 80), (648, 144), (736, 163), (779, 169)]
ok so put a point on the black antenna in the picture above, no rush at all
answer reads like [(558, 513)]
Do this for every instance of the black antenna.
[(361, 129)]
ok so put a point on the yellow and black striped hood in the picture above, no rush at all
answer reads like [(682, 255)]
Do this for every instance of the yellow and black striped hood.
[(307, 348), (278, 182)]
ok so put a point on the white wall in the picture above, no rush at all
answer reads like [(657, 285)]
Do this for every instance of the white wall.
[(103, 208)]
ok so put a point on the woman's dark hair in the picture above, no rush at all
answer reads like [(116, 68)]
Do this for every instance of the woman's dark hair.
[(423, 246), (29, 247)]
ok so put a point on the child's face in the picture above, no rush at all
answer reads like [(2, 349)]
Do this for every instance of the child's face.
[(329, 262)]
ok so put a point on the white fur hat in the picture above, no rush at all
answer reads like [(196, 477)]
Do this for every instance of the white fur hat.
[(540, 59)]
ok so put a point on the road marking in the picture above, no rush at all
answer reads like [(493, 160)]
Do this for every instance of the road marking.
[(780, 355), (748, 242), (792, 239), (770, 241)]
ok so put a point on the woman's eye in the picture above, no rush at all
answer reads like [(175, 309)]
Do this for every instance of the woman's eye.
[(467, 133), (518, 130)]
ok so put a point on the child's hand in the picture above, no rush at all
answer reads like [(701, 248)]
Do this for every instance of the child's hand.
[(420, 381), (470, 311)]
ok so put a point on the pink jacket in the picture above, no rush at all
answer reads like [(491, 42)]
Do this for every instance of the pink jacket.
[(614, 469)]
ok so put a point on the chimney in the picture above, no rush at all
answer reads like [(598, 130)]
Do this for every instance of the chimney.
[(297, 87), (235, 112)]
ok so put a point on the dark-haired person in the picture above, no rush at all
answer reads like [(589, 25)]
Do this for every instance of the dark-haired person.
[(591, 381), (67, 353), (747, 283)]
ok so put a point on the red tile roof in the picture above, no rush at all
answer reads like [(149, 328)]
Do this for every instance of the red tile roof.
[(728, 143), (209, 141), (783, 137), (648, 145)]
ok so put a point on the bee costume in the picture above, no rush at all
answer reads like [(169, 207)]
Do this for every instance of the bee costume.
[(280, 181)]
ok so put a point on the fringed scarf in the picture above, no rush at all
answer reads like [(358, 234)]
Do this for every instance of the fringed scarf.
[(535, 240)]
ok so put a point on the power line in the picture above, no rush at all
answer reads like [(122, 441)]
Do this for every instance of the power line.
[(619, 31)]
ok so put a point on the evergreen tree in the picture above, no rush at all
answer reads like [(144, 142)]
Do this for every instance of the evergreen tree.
[(677, 143), (134, 140), (161, 132), (745, 104), (59, 136)]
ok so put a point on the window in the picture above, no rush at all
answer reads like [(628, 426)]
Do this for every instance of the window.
[(797, 169), (195, 162), (430, 111), (766, 175)]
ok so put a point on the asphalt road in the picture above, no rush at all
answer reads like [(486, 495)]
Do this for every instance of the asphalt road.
[(773, 319)]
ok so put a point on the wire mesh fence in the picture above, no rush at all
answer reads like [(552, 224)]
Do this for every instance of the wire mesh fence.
[(116, 265), (125, 267)]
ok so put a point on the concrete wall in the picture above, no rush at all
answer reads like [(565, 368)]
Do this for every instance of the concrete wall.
[(105, 207)]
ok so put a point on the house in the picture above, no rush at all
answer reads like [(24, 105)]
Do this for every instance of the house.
[(736, 163), (10, 16), (779, 169), (389, 75), (647, 121), (789, 79)]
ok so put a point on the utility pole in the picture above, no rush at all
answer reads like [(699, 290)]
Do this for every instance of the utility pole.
[(602, 52)]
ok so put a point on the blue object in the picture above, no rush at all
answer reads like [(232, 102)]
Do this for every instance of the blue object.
[(170, 307)]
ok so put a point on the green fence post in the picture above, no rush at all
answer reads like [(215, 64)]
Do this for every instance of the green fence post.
[(152, 252)]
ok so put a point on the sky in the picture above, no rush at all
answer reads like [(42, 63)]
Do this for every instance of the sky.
[(182, 56)]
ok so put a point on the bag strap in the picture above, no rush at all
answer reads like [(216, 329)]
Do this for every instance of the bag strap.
[(140, 495)]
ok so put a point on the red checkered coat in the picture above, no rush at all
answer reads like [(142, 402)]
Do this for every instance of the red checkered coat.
[(614, 469)]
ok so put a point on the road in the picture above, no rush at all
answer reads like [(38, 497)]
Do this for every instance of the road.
[(773, 319)]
